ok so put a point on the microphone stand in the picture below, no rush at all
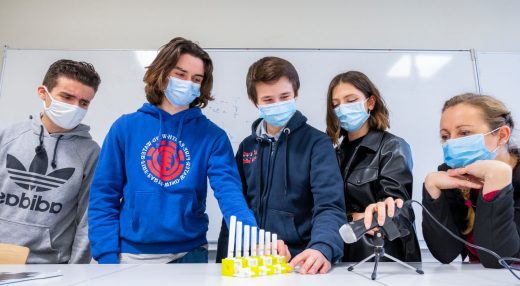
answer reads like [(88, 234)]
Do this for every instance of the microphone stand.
[(379, 251)]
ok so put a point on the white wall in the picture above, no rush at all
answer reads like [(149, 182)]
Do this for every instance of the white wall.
[(135, 24)]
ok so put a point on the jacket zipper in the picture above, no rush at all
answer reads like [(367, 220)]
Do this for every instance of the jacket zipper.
[(265, 195)]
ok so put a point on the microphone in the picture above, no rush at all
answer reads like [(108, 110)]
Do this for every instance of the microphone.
[(392, 228)]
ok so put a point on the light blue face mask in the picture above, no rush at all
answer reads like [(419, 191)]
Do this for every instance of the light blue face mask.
[(278, 114), (463, 151), (181, 92), (352, 115)]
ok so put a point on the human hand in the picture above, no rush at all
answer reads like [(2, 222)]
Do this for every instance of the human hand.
[(384, 208), (311, 261), (283, 249), (437, 181), (491, 174)]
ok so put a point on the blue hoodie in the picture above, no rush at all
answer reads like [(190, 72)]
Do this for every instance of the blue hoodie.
[(158, 164)]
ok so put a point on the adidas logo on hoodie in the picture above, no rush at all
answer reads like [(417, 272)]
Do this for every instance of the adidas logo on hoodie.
[(35, 180)]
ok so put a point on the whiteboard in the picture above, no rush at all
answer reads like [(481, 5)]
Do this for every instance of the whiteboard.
[(499, 76), (414, 84)]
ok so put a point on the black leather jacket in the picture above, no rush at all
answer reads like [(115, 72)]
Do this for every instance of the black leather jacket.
[(380, 167)]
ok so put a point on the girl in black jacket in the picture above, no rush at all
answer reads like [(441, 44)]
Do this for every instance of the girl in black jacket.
[(376, 165), (476, 193)]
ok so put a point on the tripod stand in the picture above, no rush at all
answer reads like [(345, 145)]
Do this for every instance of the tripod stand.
[(379, 252)]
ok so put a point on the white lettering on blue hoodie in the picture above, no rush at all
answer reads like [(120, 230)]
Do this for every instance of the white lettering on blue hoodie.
[(148, 195)]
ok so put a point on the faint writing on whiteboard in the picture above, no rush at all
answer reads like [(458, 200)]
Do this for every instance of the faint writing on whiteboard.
[(227, 107)]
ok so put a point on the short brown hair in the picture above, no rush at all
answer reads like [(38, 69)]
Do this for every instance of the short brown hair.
[(78, 71), (270, 69), (379, 118), (158, 71)]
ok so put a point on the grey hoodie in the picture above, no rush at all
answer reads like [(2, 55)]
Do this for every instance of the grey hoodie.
[(44, 190)]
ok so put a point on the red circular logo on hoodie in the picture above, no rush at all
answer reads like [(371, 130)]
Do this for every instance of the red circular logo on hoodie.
[(165, 162)]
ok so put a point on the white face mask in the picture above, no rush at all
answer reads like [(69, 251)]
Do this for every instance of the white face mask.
[(66, 116)]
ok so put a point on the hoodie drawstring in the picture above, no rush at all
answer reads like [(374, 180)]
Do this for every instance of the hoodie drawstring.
[(287, 131), (260, 162), (178, 136), (176, 148), (40, 147), (53, 163), (136, 221), (158, 144), (158, 147), (259, 159), (179, 132), (259, 172), (259, 139)]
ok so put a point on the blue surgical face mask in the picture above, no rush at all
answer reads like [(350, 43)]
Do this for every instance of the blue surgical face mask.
[(463, 151), (181, 92), (278, 114), (352, 115)]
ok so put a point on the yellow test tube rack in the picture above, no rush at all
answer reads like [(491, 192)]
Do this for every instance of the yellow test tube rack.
[(263, 259)]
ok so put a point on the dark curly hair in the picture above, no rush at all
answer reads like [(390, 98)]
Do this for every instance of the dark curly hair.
[(80, 71)]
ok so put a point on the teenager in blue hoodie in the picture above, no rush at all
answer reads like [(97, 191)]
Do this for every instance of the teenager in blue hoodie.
[(289, 171), (148, 195)]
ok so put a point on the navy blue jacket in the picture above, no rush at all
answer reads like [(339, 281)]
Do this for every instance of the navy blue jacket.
[(294, 187)]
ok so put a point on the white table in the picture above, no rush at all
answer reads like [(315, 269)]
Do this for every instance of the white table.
[(209, 274)]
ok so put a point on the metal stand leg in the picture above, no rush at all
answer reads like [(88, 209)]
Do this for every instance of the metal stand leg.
[(376, 263), (379, 252), (418, 270), (351, 267)]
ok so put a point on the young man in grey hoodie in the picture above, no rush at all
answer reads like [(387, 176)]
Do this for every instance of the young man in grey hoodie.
[(46, 165)]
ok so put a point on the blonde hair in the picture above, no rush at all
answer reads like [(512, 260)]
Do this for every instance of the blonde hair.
[(470, 217), (495, 112), (496, 115)]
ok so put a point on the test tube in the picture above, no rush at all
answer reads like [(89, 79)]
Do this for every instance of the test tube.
[(253, 241), (246, 240), (274, 249), (267, 243), (231, 239), (239, 240), (261, 238)]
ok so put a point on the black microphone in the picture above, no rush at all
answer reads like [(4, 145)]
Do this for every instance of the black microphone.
[(392, 228)]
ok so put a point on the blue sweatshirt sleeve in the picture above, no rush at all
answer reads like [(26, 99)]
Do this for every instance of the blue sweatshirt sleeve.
[(329, 201), (105, 199), (225, 182)]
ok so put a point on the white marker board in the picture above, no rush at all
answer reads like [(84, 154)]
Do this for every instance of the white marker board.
[(413, 83)]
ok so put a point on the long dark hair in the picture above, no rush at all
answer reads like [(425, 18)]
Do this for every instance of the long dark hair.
[(157, 73), (379, 118)]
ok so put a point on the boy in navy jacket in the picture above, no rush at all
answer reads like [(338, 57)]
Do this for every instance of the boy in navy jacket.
[(289, 172)]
